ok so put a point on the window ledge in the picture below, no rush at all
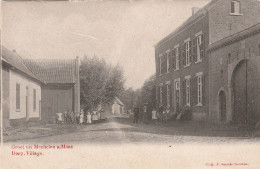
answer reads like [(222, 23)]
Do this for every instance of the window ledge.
[(199, 105), (236, 14), (187, 65), (18, 110), (198, 61), (176, 70)]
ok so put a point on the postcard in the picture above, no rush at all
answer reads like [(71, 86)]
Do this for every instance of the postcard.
[(123, 84)]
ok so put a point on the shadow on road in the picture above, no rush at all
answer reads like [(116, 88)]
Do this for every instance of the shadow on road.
[(182, 129)]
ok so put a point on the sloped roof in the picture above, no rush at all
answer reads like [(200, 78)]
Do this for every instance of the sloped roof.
[(16, 62), (119, 101), (52, 71), (202, 12), (235, 37)]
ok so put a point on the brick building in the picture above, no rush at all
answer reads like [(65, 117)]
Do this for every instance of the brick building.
[(235, 78), (182, 62)]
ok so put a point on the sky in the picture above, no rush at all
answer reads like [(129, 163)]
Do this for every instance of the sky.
[(121, 32)]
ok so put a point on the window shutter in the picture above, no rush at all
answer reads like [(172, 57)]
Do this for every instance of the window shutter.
[(163, 64), (170, 86), (196, 90), (202, 52), (179, 51), (194, 47), (184, 92), (232, 7), (183, 54), (193, 90), (190, 52), (170, 60), (203, 90), (174, 59), (164, 96)]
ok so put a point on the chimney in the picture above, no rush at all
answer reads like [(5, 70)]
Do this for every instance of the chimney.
[(195, 10)]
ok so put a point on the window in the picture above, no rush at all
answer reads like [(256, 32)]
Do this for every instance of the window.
[(168, 88), (199, 81), (177, 95), (200, 48), (160, 94), (188, 92), (18, 95), (229, 58), (187, 54), (168, 61), (235, 7), (34, 99)]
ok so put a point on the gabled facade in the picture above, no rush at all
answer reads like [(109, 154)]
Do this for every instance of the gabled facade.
[(61, 91), (117, 107), (182, 63), (21, 89), (235, 78)]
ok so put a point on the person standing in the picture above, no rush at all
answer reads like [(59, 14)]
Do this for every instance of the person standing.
[(145, 114), (136, 115), (89, 118), (154, 115), (81, 117), (161, 109), (94, 117)]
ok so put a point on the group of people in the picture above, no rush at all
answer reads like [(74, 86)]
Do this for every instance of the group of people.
[(163, 114), (70, 117), (137, 114)]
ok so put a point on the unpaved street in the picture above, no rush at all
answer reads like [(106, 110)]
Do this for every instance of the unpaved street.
[(121, 130)]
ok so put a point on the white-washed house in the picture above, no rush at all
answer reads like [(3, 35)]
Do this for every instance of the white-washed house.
[(21, 89)]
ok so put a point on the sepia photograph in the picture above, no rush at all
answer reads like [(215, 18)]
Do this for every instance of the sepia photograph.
[(130, 84)]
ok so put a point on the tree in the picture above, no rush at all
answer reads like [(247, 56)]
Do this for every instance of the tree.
[(100, 83), (147, 94)]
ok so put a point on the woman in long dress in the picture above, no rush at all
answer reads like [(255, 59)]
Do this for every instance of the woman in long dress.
[(154, 115), (81, 117), (89, 118)]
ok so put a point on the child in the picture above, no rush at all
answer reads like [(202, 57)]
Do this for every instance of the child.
[(81, 117), (154, 115), (89, 118)]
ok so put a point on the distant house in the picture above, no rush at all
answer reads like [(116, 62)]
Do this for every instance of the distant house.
[(61, 89), (117, 107), (21, 91)]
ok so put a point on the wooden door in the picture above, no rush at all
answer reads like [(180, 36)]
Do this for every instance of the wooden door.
[(222, 106), (245, 87)]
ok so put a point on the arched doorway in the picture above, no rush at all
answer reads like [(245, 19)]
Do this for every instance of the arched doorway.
[(244, 84), (222, 106)]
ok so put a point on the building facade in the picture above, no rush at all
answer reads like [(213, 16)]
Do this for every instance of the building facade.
[(61, 88), (182, 62), (38, 89), (117, 107), (235, 78), (21, 100)]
